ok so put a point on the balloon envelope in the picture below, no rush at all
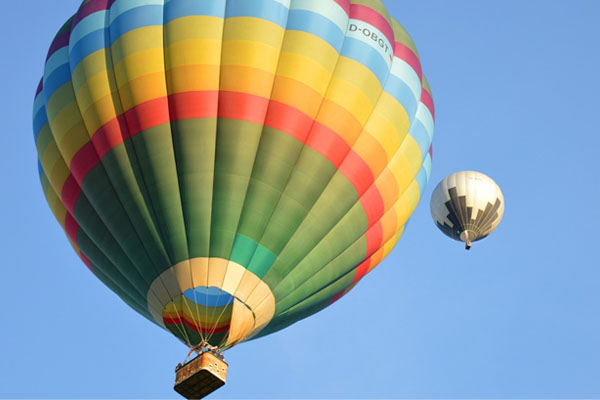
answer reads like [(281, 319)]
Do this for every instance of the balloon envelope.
[(467, 206), (230, 167)]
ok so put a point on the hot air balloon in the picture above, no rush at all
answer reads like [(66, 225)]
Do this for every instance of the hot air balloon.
[(467, 206), (228, 168)]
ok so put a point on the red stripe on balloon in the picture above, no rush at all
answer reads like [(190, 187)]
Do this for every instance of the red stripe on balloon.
[(338, 296), (373, 204), (58, 43), (428, 101), (325, 141), (40, 87), (289, 120), (191, 325), (110, 135), (357, 171), (405, 53), (232, 105), (431, 152), (85, 260), (71, 227), (91, 7), (345, 4), (242, 106), (374, 238), (70, 193), (190, 105), (147, 115), (83, 162), (362, 270), (372, 17)]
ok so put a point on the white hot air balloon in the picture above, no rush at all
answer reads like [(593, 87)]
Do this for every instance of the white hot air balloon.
[(467, 206)]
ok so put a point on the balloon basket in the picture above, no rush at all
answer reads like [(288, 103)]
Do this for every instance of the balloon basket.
[(201, 376)]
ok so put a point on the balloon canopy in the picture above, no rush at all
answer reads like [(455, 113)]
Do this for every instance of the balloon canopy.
[(467, 206), (230, 167)]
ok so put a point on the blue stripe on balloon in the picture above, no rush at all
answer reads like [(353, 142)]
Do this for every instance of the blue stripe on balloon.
[(40, 168), (318, 25), (419, 133), (422, 180), (135, 18), (400, 91), (39, 121), (183, 8), (55, 80), (90, 43), (130, 20), (264, 9), (366, 55)]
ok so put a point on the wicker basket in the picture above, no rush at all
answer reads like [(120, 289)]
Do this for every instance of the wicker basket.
[(201, 376)]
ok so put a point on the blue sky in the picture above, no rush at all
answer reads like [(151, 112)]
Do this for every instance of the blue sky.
[(515, 85)]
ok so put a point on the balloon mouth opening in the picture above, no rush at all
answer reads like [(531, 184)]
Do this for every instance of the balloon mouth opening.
[(211, 300), (468, 236), (209, 314)]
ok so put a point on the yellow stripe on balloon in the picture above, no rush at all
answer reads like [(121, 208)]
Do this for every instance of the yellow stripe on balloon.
[(312, 47), (361, 77), (54, 166), (140, 39), (248, 80), (56, 205), (412, 152), (102, 111), (254, 30), (139, 64), (73, 140), (306, 70), (250, 54), (351, 98), (387, 107), (194, 27), (401, 169), (407, 203), (193, 52)]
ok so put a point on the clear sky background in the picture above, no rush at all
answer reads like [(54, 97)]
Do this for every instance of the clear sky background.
[(516, 88)]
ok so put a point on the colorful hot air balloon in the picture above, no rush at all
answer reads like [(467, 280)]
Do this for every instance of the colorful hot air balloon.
[(230, 167), (467, 206)]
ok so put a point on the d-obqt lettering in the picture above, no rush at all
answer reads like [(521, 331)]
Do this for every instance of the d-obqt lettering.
[(370, 34)]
